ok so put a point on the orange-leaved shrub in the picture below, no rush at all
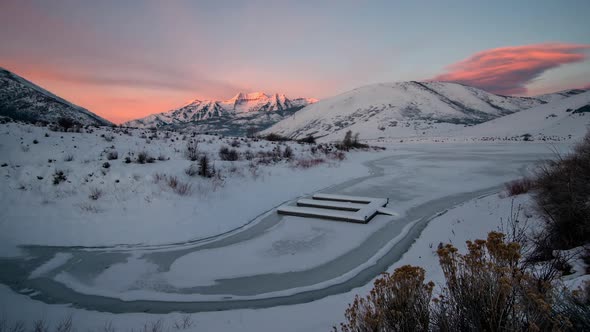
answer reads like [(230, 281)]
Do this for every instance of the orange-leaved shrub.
[(398, 302), (489, 288)]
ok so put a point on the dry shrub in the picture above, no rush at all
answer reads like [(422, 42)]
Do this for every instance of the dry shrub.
[(58, 177), (272, 137), (192, 170), (308, 163), (172, 182), (398, 302), (191, 152), (351, 141), (112, 155), (158, 177), (562, 192), (519, 187), (288, 153), (487, 289), (205, 168), (228, 154), (95, 193), (179, 187), (144, 157)]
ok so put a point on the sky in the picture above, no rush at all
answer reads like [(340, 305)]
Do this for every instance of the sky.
[(127, 59)]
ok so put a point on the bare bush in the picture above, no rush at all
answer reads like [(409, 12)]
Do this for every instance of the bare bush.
[(288, 153), (95, 193), (191, 152), (184, 323), (205, 168), (308, 163), (179, 187), (40, 326), (275, 138), (158, 177), (235, 143), (113, 155), (562, 190), (519, 187), (66, 124), (156, 326), (172, 182), (144, 157), (68, 157), (351, 141), (65, 325), (309, 139), (59, 177), (183, 189), (192, 170), (228, 154)]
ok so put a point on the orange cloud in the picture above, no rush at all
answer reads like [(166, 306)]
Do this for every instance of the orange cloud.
[(507, 70)]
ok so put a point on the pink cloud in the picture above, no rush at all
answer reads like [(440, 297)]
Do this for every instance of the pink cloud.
[(507, 70)]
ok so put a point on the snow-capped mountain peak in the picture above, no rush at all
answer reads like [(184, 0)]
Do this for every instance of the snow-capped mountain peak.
[(243, 110), (252, 96)]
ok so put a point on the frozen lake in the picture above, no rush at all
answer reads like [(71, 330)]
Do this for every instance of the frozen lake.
[(276, 260)]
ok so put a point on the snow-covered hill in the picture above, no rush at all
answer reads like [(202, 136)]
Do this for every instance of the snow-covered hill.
[(555, 96), (23, 100), (568, 117), (245, 111), (399, 110)]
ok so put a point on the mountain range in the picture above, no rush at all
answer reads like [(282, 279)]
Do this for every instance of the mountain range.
[(24, 100), (404, 109), (236, 116), (401, 109)]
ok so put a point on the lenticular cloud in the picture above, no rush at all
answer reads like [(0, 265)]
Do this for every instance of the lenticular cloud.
[(507, 70)]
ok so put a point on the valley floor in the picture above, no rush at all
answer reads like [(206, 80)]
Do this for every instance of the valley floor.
[(263, 271)]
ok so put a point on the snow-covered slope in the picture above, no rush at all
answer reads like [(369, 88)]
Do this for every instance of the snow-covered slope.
[(233, 116), (23, 100), (562, 118), (390, 108), (555, 96)]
